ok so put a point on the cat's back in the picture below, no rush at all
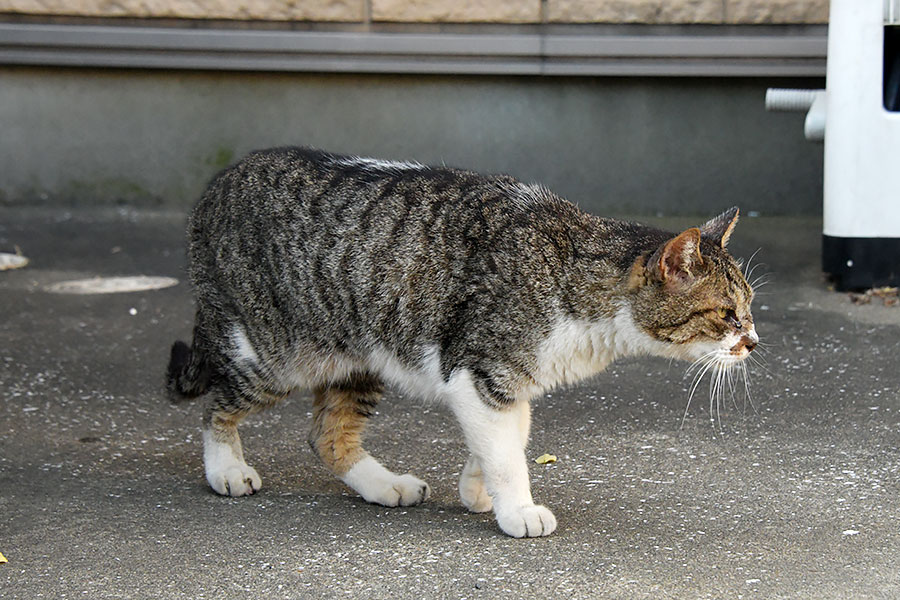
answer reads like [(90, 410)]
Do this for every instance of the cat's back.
[(265, 185), (297, 186), (303, 198), (320, 221), (395, 248)]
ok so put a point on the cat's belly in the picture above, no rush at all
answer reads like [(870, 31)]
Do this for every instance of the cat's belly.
[(425, 380), (312, 369)]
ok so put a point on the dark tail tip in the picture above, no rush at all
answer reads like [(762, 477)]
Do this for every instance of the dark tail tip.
[(187, 375)]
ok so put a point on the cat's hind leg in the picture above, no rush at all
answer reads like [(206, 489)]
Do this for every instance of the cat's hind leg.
[(340, 411), (223, 456), (472, 492)]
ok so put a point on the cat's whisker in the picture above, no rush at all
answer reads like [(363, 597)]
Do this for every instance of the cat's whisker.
[(717, 395), (708, 362), (698, 376), (750, 267), (749, 275), (767, 346), (724, 384), (757, 358), (745, 371), (701, 361), (726, 376), (731, 385), (714, 382), (761, 281), (745, 266), (702, 366)]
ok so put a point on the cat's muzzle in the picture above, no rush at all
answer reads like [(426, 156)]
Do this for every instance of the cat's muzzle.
[(745, 344)]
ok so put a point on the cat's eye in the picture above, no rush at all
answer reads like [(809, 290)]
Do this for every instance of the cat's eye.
[(729, 316)]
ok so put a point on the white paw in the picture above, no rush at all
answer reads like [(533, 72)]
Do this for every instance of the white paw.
[(235, 480), (472, 493), (399, 490), (379, 486), (531, 520)]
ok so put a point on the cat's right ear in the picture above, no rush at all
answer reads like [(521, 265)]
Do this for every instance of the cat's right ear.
[(719, 229), (677, 260)]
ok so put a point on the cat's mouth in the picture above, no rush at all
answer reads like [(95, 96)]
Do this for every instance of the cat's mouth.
[(727, 352)]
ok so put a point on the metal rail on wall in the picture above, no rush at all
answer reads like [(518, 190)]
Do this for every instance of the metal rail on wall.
[(578, 51)]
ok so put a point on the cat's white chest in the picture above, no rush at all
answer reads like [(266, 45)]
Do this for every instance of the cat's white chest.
[(577, 349), (573, 351)]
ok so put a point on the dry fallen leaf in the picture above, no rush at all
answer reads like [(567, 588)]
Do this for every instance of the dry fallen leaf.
[(2, 559), (889, 296), (543, 459)]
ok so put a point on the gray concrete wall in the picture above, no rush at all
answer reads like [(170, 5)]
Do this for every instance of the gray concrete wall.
[(613, 145)]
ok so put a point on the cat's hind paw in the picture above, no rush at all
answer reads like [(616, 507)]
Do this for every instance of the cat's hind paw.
[(531, 520), (407, 490), (472, 492), (235, 480), (379, 486)]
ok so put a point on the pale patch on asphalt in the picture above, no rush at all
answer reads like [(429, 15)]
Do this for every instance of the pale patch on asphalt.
[(112, 285), (12, 261)]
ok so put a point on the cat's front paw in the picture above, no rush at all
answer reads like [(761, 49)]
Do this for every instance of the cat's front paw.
[(531, 520), (235, 480)]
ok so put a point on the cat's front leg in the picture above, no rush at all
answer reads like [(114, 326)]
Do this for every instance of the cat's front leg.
[(495, 438), (472, 492)]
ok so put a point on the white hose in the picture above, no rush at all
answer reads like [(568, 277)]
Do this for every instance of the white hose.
[(790, 100), (892, 12)]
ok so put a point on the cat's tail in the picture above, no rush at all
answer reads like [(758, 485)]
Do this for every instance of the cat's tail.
[(188, 374)]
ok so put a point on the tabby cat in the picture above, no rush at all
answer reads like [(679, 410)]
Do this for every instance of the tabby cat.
[(340, 274)]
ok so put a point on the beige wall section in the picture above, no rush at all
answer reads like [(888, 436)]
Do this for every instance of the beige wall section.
[(777, 11), (272, 10), (444, 11), (635, 11), (457, 11)]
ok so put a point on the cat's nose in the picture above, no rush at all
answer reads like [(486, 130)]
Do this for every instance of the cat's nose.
[(747, 342), (752, 339)]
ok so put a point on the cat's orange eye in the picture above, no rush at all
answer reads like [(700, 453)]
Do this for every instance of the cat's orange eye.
[(729, 316)]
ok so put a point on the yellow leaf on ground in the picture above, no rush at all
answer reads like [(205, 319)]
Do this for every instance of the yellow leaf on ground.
[(543, 459), (2, 558)]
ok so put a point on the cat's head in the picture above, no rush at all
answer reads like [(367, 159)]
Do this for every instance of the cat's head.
[(692, 296)]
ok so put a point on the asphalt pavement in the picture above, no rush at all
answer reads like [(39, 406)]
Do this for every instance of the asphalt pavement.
[(794, 493)]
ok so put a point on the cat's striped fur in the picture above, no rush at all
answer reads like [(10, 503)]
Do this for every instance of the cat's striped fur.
[(340, 274)]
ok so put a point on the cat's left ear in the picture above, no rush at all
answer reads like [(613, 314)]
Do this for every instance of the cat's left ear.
[(678, 259), (719, 229)]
